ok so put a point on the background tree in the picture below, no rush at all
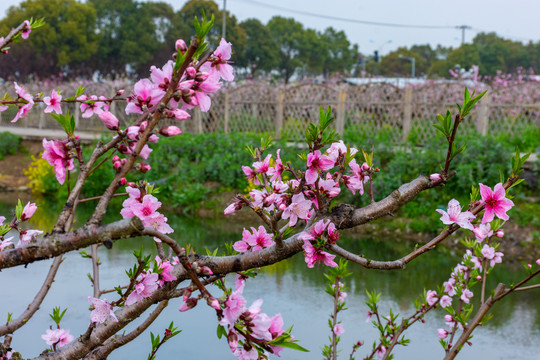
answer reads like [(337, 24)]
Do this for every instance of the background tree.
[(64, 45), (127, 33), (234, 32), (260, 49), (287, 33), (339, 56)]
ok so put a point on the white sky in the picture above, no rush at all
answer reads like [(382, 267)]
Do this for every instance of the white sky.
[(513, 19)]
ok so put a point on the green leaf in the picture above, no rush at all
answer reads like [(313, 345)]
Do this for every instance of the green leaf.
[(80, 91), (19, 209), (221, 332), (292, 345)]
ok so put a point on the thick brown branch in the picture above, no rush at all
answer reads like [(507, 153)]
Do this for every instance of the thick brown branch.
[(58, 244), (345, 216)]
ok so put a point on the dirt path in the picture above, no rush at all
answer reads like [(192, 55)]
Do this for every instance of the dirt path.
[(12, 167)]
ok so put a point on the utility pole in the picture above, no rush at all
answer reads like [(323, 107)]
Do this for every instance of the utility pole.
[(224, 27), (463, 28), (412, 60)]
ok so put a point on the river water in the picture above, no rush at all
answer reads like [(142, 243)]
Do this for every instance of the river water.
[(289, 288)]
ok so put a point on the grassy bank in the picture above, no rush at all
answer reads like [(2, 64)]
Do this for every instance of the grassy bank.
[(192, 169)]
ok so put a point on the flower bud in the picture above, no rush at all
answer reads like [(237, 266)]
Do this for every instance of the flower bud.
[(123, 161), (117, 165), (153, 138), (180, 46), (122, 181), (168, 333), (478, 277), (191, 72), (435, 177), (205, 270), (132, 184), (201, 77), (213, 302), (538, 262), (115, 158), (365, 166), (110, 121), (143, 167), (499, 233), (120, 92), (186, 294), (123, 148), (170, 131), (28, 211), (143, 126), (188, 304)]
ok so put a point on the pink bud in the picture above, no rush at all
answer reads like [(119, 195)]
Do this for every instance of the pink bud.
[(435, 177), (110, 121), (120, 92), (442, 333), (132, 184), (122, 181), (123, 161), (144, 167), (153, 138), (499, 233), (170, 131), (186, 294), (529, 266), (478, 277), (143, 126), (365, 166), (282, 207), (28, 211), (538, 262), (117, 165), (115, 158), (213, 302), (191, 71), (188, 304), (205, 270), (180, 46)]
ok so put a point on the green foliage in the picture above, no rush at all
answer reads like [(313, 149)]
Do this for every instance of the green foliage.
[(67, 41), (10, 144)]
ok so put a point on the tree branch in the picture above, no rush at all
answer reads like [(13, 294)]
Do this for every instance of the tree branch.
[(58, 244)]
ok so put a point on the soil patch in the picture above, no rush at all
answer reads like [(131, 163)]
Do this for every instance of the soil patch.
[(12, 167)]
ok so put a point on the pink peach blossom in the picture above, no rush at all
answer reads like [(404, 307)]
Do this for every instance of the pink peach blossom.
[(495, 202)]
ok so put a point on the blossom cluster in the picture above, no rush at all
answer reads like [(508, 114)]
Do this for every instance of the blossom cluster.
[(245, 325), (477, 258), (144, 206), (300, 198), (25, 235)]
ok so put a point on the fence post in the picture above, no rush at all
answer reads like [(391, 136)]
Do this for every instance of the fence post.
[(340, 119), (197, 116), (482, 121), (279, 115), (41, 119), (77, 114), (226, 124), (407, 113)]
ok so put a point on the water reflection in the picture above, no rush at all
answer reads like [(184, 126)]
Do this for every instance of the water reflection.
[(288, 287)]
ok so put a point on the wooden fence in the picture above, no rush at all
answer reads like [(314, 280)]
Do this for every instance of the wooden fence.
[(371, 108)]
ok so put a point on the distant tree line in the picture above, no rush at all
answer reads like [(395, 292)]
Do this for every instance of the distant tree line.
[(487, 50), (82, 39), (119, 38)]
